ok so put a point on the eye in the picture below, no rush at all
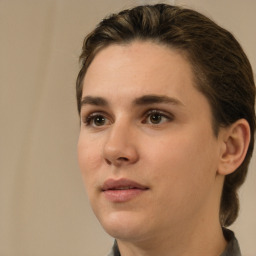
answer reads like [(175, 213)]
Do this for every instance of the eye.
[(96, 120), (156, 117)]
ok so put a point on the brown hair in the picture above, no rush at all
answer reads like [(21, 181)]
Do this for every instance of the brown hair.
[(222, 71)]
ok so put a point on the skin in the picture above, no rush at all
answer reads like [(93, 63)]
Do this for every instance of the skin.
[(174, 153)]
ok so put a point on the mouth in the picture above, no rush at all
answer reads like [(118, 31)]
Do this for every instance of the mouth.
[(122, 190)]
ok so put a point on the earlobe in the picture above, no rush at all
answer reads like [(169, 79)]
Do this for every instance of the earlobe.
[(235, 143)]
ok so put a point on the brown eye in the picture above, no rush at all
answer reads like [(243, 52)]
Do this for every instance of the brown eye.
[(99, 120), (96, 120), (155, 118)]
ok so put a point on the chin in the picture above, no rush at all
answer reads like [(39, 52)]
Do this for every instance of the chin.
[(123, 225)]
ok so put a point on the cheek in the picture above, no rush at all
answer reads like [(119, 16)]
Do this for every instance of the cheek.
[(89, 158), (183, 161), (172, 153), (183, 176)]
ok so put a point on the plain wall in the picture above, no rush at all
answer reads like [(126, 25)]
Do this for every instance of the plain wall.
[(43, 206)]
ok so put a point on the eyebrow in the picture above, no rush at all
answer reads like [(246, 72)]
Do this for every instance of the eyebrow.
[(143, 100), (152, 99), (96, 101)]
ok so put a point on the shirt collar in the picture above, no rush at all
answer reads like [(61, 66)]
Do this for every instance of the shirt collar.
[(115, 250), (232, 248)]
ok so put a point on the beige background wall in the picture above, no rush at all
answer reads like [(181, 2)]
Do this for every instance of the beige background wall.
[(43, 206)]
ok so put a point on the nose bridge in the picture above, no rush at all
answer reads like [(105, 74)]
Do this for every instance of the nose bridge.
[(120, 146)]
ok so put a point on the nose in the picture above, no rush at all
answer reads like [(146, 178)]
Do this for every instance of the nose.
[(120, 146)]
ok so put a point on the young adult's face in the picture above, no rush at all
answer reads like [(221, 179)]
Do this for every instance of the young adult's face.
[(146, 149)]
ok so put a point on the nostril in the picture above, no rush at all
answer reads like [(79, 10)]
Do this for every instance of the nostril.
[(123, 159), (108, 162), (116, 161)]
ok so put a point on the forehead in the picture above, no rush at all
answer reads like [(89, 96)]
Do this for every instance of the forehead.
[(121, 73), (144, 65)]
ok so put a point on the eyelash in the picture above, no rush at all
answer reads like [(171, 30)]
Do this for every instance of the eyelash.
[(89, 119), (169, 117)]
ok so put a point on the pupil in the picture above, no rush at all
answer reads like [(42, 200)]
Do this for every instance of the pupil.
[(155, 119), (99, 120)]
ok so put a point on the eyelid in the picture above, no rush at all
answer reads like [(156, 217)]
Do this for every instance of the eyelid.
[(88, 117), (158, 111), (163, 113)]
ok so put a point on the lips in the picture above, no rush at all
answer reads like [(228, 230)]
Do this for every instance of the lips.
[(112, 184), (122, 190)]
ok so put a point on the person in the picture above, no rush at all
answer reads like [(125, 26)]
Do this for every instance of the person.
[(166, 101)]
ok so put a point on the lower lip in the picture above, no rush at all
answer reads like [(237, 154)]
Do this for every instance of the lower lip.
[(120, 196)]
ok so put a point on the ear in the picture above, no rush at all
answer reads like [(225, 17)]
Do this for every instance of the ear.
[(235, 142)]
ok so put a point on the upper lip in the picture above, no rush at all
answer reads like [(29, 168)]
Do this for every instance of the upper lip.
[(112, 184)]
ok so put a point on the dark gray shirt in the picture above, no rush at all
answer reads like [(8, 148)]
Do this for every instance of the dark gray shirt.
[(232, 248)]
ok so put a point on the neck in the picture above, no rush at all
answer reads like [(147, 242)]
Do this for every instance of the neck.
[(190, 242)]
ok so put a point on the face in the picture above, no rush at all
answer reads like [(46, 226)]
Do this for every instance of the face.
[(146, 149)]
